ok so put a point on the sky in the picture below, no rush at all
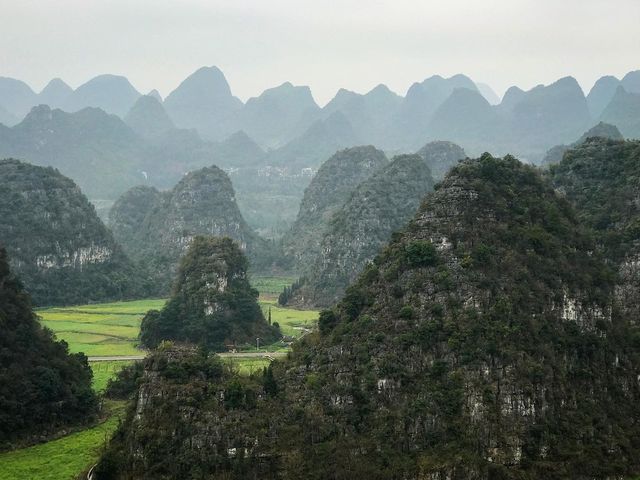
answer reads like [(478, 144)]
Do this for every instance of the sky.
[(325, 44)]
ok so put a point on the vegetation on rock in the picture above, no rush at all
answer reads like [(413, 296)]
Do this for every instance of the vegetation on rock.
[(157, 228), (378, 207), (601, 178), (58, 246), (212, 302), (329, 189)]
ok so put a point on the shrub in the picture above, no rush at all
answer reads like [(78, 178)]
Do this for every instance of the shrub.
[(421, 253)]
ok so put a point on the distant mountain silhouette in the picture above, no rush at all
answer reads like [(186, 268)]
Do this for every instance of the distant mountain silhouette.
[(545, 116), (465, 117), (512, 96), (631, 82), (488, 93), (97, 150), (369, 114), (7, 118), (55, 94), (277, 114), (16, 97), (148, 117), (601, 130), (411, 122), (239, 150), (624, 112), (112, 93), (440, 156), (203, 101), (155, 94), (601, 94), (317, 143)]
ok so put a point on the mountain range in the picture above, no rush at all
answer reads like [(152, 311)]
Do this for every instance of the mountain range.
[(523, 122), (108, 137)]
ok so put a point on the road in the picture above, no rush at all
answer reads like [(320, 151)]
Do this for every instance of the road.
[(115, 358)]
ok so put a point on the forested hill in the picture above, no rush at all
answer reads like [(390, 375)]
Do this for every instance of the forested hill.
[(58, 246), (484, 342), (377, 207), (42, 388), (329, 189), (156, 228)]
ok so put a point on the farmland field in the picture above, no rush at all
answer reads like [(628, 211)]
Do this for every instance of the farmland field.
[(111, 329), (292, 322), (271, 286), (106, 329)]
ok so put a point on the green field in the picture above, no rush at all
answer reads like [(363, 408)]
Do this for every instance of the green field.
[(64, 458), (248, 366), (111, 329), (292, 322), (102, 329), (271, 287), (103, 371)]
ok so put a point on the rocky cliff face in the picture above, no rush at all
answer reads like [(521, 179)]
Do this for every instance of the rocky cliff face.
[(326, 194), (58, 245), (196, 409), (378, 207), (202, 203), (484, 342), (600, 178)]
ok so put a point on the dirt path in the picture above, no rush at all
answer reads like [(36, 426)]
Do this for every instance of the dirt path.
[(115, 358)]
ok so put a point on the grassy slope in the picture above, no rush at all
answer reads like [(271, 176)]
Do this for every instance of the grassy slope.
[(64, 458)]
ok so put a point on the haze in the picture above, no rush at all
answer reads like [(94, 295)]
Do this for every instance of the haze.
[(324, 44)]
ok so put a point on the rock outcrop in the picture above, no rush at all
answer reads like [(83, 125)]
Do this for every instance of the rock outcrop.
[(212, 302)]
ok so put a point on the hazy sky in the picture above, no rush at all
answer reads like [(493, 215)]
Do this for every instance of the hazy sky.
[(324, 44)]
